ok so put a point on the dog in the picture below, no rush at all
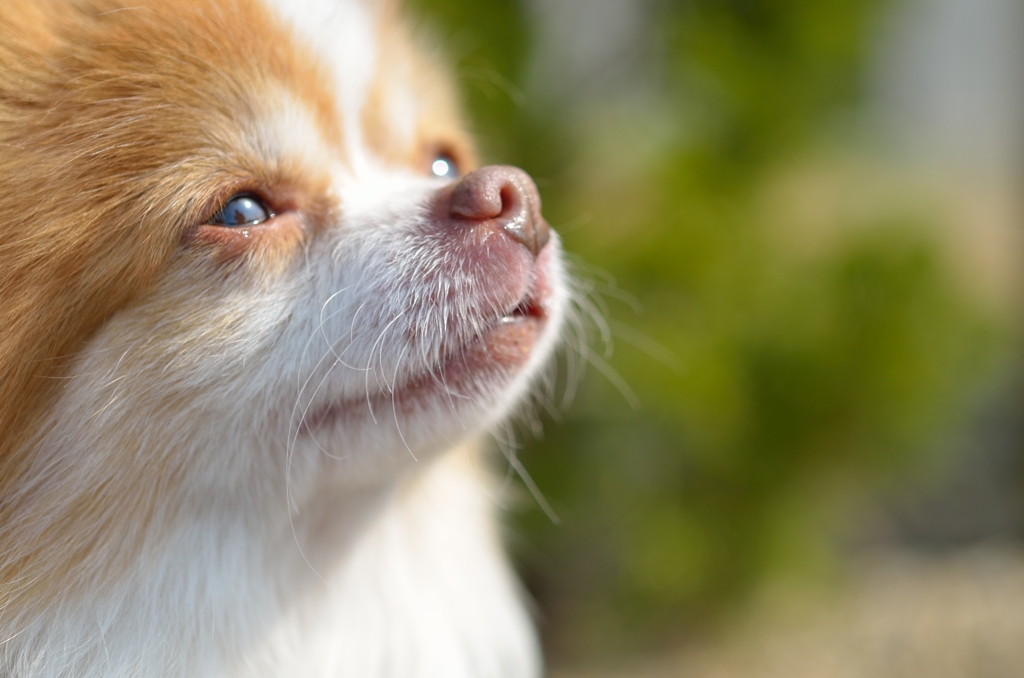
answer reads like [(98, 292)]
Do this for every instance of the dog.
[(258, 304)]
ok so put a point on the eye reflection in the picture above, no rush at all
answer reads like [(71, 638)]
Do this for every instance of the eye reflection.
[(243, 209), (444, 167)]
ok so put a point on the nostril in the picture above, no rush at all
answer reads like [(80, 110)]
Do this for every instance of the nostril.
[(512, 206), (507, 196), (476, 199)]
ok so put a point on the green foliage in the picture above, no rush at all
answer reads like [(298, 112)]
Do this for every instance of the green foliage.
[(766, 71), (773, 383)]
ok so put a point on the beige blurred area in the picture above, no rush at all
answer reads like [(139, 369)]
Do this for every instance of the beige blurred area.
[(977, 212), (899, 615)]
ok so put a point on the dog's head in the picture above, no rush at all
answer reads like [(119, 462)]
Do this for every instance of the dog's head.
[(245, 251)]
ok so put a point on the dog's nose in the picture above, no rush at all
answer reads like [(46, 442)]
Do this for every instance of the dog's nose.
[(506, 195)]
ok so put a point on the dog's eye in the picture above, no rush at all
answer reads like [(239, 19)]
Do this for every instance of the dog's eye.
[(445, 167), (244, 209)]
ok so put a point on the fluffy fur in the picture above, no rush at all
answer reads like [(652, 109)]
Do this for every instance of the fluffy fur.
[(249, 452)]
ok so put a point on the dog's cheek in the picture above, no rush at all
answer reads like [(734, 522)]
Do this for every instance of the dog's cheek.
[(201, 339), (162, 410)]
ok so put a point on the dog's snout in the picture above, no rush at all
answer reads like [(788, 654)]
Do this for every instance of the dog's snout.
[(507, 196)]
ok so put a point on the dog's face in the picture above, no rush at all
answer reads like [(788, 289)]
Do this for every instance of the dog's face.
[(245, 255)]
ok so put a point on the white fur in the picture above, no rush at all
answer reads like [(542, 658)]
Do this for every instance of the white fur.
[(344, 34)]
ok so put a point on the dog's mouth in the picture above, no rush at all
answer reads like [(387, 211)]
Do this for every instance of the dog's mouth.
[(528, 308), (469, 369), (493, 355), (507, 344)]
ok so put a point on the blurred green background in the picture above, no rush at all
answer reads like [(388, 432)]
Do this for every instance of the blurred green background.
[(808, 281)]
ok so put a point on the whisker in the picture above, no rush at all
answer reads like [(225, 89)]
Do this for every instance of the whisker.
[(538, 496), (394, 410), (644, 343), (615, 378)]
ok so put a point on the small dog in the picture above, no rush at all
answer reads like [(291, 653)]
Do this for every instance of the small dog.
[(255, 306)]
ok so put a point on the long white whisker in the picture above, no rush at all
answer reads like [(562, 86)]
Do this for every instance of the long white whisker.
[(369, 365), (322, 329), (615, 378), (394, 410), (511, 453)]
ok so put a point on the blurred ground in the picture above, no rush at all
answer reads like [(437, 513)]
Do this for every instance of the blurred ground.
[(902, 615)]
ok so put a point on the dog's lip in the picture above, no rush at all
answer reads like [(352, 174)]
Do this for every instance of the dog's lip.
[(504, 337), (529, 307), (501, 348)]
